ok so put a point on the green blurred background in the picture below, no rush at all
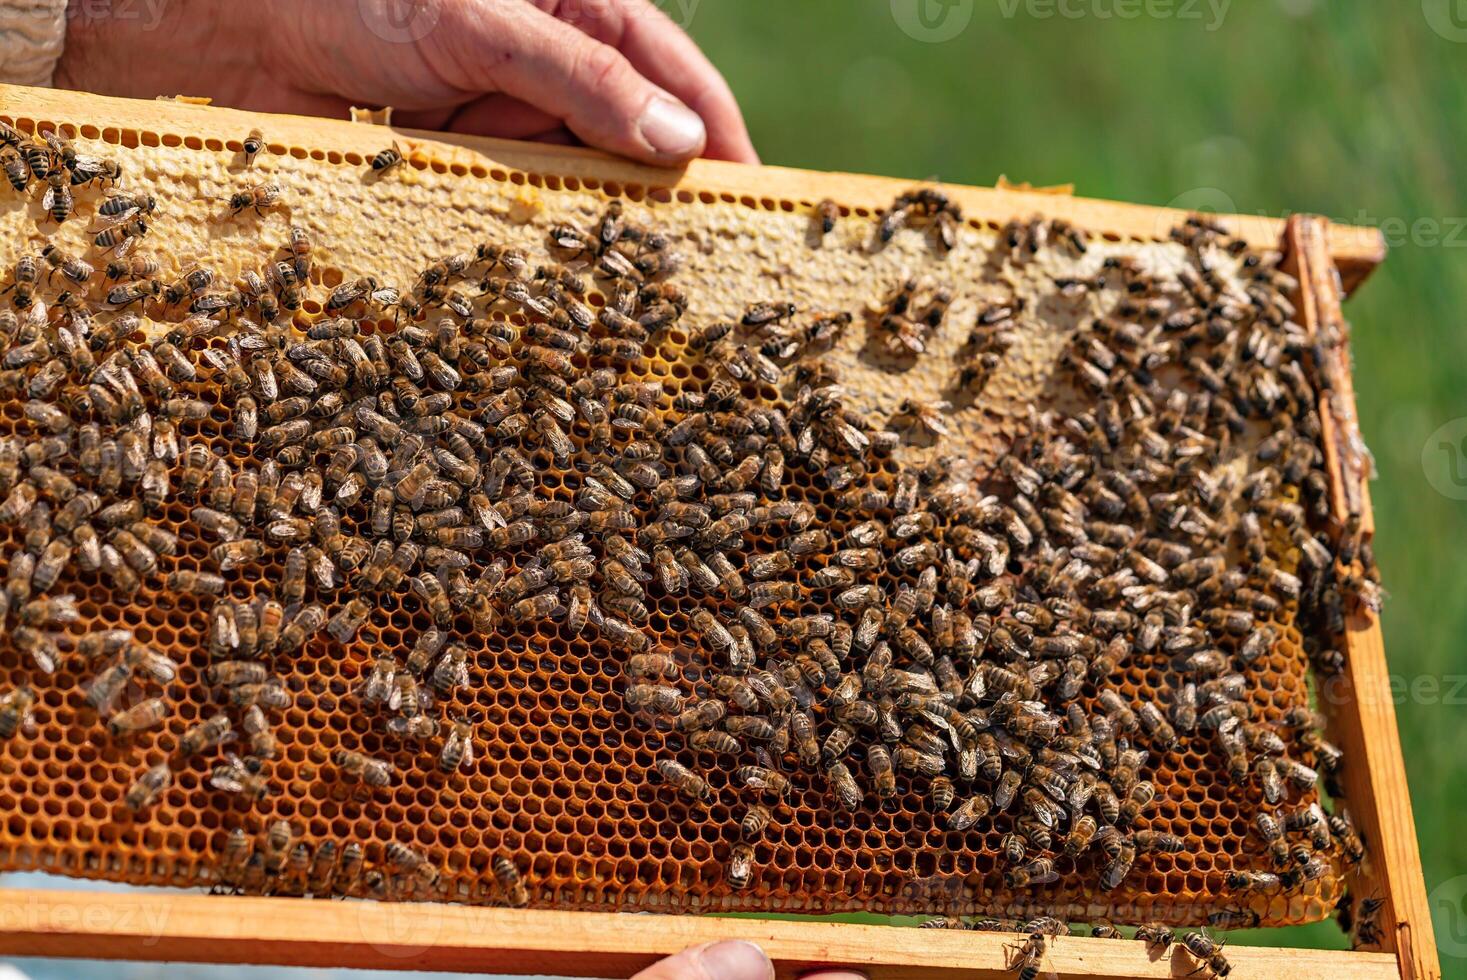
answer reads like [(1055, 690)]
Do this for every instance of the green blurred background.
[(1350, 108)]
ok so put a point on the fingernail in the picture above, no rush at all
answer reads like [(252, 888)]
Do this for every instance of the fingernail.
[(672, 129), (735, 959)]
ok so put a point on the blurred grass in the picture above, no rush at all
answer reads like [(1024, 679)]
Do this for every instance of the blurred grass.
[(1349, 108)]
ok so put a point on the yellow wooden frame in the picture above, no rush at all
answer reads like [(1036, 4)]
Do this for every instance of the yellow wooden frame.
[(158, 926)]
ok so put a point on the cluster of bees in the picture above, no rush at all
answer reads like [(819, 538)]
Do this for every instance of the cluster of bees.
[(279, 864), (973, 631)]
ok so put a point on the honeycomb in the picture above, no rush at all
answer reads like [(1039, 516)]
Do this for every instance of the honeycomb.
[(566, 801)]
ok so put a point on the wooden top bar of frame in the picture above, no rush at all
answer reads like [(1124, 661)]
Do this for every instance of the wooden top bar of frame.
[(1356, 251)]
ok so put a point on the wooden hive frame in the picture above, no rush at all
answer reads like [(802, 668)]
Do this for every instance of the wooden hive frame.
[(1329, 261)]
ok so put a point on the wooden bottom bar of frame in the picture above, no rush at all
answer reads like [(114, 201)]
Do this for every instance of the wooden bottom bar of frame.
[(371, 935)]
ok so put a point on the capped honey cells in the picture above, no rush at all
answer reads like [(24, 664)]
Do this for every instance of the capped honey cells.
[(542, 574)]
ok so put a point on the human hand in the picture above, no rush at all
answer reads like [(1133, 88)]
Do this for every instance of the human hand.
[(615, 74), (729, 960)]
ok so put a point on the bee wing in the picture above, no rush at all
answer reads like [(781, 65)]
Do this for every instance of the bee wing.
[(48, 200), (104, 221), (227, 781), (36, 318)]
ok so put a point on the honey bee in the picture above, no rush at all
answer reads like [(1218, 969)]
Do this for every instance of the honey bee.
[(16, 170), (322, 874), (827, 212), (458, 748), (149, 787), (121, 237), (763, 779), (688, 784), (72, 269), (263, 743), (308, 621), (197, 583), (364, 768), (510, 883), (1027, 956), (140, 717), (740, 865), (1155, 935), (1207, 951), (408, 860), (242, 777), (253, 144), (767, 314), (1365, 929), (927, 415), (104, 690), (270, 694), (387, 159), (343, 626), (207, 734), (451, 672), (15, 711), (58, 202), (26, 275), (260, 197)]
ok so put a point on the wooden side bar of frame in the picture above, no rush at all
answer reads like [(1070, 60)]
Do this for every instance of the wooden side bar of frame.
[(1359, 704), (216, 929)]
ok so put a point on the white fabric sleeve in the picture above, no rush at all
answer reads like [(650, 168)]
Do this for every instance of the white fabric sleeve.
[(32, 33)]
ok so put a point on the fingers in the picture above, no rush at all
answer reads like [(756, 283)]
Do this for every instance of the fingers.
[(731, 959), (503, 116), (520, 51), (660, 49)]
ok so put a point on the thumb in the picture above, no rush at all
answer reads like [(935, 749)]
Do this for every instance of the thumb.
[(523, 52), (732, 959)]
